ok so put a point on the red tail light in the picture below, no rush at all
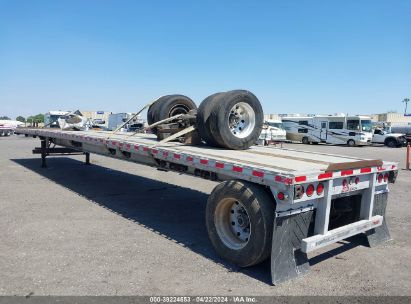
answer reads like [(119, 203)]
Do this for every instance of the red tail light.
[(380, 178), (310, 190), (357, 180), (344, 183), (281, 196), (386, 177), (320, 188)]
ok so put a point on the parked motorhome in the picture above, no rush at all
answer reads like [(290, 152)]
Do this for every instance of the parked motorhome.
[(338, 130)]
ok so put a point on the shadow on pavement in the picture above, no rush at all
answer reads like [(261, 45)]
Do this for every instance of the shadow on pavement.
[(174, 212), (350, 243)]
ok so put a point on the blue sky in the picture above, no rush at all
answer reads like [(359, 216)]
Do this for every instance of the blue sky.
[(296, 56)]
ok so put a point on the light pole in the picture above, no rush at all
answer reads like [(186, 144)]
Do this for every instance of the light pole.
[(406, 101)]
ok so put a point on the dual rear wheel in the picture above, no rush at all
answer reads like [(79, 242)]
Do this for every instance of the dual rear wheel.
[(240, 219)]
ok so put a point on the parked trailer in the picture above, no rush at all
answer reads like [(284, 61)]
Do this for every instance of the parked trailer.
[(270, 202), (6, 130)]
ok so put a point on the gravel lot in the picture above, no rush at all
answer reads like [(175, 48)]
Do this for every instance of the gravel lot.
[(117, 228)]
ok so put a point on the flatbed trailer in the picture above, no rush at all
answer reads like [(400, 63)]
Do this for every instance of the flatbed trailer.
[(6, 130), (271, 202)]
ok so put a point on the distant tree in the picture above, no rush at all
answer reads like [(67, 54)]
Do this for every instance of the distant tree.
[(21, 119), (5, 118), (36, 118), (39, 117)]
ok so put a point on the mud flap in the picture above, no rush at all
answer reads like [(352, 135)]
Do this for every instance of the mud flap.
[(287, 259), (380, 234)]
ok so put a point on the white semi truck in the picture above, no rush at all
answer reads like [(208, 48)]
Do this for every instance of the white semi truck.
[(270, 203)]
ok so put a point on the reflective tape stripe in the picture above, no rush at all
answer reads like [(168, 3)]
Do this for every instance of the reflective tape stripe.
[(347, 172), (284, 180), (325, 175), (299, 179), (237, 169), (258, 173), (219, 165)]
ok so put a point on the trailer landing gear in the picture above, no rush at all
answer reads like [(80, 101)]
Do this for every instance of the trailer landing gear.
[(45, 150), (87, 158)]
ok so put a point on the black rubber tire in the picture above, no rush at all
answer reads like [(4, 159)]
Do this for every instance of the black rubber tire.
[(166, 106), (217, 122), (260, 207), (391, 142), (203, 119), (305, 140), (153, 109), (351, 143)]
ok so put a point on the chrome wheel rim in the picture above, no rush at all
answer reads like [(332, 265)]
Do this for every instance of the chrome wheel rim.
[(241, 120), (232, 223)]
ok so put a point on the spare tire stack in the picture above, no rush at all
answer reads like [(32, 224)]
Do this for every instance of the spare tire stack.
[(168, 106), (231, 120)]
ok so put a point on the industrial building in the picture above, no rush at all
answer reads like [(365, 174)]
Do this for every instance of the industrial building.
[(392, 118), (97, 117)]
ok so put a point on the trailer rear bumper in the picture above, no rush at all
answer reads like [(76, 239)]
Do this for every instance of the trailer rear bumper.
[(292, 238), (338, 234)]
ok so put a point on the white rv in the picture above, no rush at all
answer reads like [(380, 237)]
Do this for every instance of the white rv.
[(338, 130)]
